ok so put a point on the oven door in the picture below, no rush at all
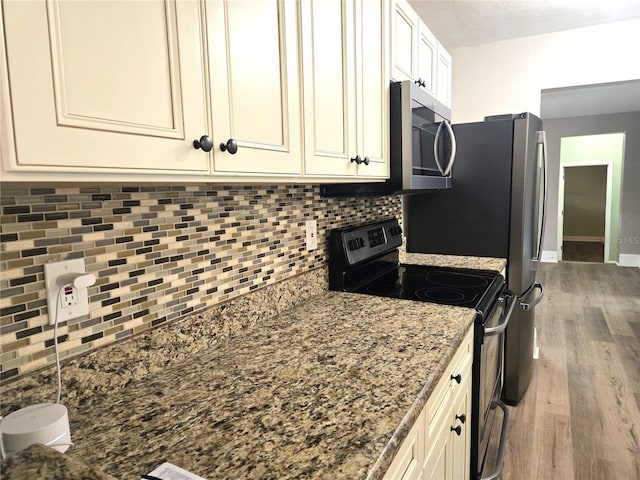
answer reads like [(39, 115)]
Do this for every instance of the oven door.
[(490, 365)]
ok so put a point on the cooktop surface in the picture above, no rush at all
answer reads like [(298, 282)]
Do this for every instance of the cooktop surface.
[(459, 287)]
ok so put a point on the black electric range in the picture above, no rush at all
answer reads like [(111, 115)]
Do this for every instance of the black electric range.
[(364, 259)]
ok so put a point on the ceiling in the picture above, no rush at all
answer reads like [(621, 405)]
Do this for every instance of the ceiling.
[(459, 23)]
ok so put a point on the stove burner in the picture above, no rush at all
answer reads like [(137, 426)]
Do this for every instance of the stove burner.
[(448, 296), (449, 279)]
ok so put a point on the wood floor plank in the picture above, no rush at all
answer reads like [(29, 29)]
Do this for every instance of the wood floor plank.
[(586, 427), (553, 448), (575, 339), (553, 386), (595, 325), (629, 354), (618, 320)]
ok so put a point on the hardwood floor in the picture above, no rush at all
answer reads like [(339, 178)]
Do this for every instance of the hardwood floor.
[(583, 251), (580, 417)]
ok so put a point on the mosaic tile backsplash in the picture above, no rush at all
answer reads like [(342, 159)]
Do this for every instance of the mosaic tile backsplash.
[(158, 252)]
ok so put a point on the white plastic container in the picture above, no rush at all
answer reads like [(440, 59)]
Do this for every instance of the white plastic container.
[(46, 423)]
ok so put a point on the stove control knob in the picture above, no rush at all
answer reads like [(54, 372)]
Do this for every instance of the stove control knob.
[(355, 243)]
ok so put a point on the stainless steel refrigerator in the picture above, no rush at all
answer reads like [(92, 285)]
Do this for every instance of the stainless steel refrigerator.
[(495, 208)]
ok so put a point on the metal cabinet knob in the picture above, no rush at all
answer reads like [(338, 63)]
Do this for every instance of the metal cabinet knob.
[(462, 418), (231, 146), (360, 160), (457, 378), (204, 143), (458, 430)]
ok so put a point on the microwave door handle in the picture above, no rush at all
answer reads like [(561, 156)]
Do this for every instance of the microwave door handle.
[(435, 149), (452, 155)]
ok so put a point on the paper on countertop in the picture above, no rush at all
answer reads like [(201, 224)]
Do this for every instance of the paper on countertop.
[(169, 471)]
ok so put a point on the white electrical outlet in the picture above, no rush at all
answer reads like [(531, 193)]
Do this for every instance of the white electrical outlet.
[(68, 297), (311, 235), (69, 301)]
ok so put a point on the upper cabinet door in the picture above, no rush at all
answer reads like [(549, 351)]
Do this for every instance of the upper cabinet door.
[(404, 39), (427, 54), (416, 53), (328, 50), (372, 56), (105, 86), (255, 85), (443, 89)]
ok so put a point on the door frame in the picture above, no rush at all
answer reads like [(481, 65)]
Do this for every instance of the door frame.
[(607, 212)]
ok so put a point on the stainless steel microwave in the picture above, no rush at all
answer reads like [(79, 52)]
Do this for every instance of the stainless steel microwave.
[(422, 147)]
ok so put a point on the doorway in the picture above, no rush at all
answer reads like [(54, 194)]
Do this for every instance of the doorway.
[(584, 221), (606, 153)]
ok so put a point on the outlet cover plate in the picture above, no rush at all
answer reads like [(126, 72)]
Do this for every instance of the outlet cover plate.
[(311, 235), (51, 273)]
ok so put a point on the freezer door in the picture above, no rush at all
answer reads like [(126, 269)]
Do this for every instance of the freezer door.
[(518, 346), (527, 180)]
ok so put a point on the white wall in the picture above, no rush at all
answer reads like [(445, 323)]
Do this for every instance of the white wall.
[(508, 76)]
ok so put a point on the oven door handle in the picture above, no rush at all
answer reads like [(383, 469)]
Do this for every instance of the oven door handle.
[(503, 438), (498, 329), (530, 305)]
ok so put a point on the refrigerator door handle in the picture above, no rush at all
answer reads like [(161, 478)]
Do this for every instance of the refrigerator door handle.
[(530, 305), (452, 155), (542, 143), (436, 141)]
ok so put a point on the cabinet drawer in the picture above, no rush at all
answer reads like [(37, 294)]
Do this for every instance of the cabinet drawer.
[(459, 365)]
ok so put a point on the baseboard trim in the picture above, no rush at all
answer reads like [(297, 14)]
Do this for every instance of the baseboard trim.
[(549, 256), (578, 238), (629, 260)]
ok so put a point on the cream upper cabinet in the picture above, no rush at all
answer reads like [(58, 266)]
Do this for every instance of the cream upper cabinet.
[(404, 41), (328, 61), (427, 55), (416, 53), (372, 56), (443, 90), (212, 89), (90, 87), (345, 99), (254, 86)]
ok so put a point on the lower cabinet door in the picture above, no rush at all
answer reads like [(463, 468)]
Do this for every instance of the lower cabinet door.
[(437, 463), (407, 464)]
